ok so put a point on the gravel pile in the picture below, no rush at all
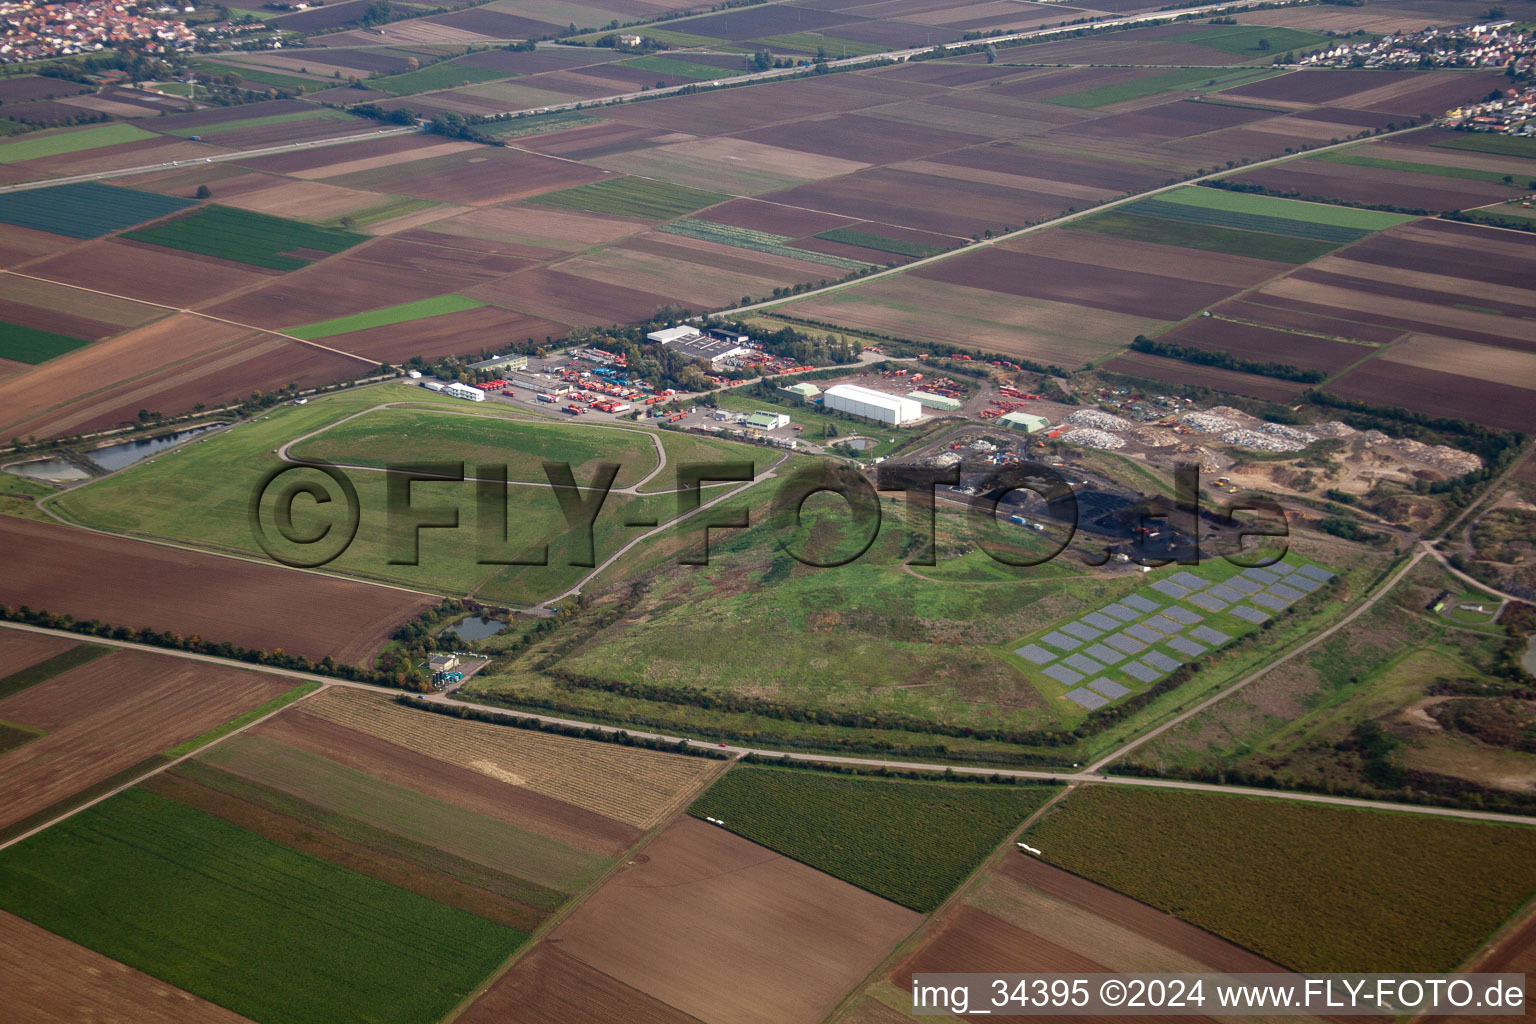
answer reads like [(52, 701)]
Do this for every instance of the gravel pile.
[(1262, 442), (1443, 457), (1153, 438), (1088, 437), (1098, 420), (1206, 421), (1332, 429)]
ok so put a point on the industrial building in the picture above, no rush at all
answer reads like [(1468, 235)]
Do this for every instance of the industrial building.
[(871, 404), (464, 391), (1024, 421), (804, 390), (502, 364), (767, 420), (667, 335), (931, 401)]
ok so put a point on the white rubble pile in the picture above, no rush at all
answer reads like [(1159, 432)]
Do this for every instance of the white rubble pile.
[(1207, 422), (1443, 457), (1099, 420), (1262, 442), (1333, 428), (1091, 438), (1301, 437), (1152, 438)]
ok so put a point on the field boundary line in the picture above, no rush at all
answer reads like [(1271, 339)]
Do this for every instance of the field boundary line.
[(324, 685), (773, 755), (579, 899)]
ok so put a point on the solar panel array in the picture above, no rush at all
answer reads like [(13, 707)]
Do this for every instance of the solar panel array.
[(1143, 637)]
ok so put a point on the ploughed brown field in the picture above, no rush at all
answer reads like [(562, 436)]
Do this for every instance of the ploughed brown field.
[(19, 649), (1174, 371), (729, 932), (1373, 185), (552, 987), (1381, 382), (111, 714), (1261, 344), (49, 980), (1514, 954), (138, 584)]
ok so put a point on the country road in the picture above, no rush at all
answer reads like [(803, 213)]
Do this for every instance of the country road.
[(1086, 776)]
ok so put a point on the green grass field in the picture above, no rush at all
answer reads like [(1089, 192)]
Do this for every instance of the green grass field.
[(1362, 890), (1137, 88), (809, 42), (418, 310), (537, 124), (1249, 212), (394, 206), (45, 670), (1248, 40), (241, 721), (632, 197), (910, 842), (261, 76), (56, 143), (683, 68), (880, 243), (1482, 142), (86, 209), (201, 497), (245, 922), (446, 75), (1208, 237), (30, 345), (13, 736), (258, 239), (318, 114), (1355, 158), (758, 241)]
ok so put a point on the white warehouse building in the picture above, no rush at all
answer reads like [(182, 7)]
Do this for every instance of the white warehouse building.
[(872, 404), (458, 390)]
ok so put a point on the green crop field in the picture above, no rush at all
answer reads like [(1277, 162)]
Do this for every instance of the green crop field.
[(13, 736), (1355, 158), (394, 206), (245, 237), (1249, 212), (261, 76), (683, 68), (632, 197), (277, 703), (1137, 88), (1482, 142), (1312, 887), (400, 314), (1249, 40), (318, 114), (30, 345), (809, 42), (85, 209), (910, 842), (446, 75), (760, 241), (1257, 244), (536, 124), (245, 922), (880, 243), (57, 143), (50, 667)]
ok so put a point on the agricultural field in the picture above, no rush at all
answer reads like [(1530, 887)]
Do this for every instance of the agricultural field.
[(154, 586), (246, 237), (69, 141), (318, 942), (387, 316), (910, 842), (85, 210), (717, 928), (632, 197), (445, 75), (102, 718), (1359, 891), (639, 788), (30, 345)]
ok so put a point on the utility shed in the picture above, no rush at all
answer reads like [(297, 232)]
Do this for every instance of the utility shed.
[(931, 401), (805, 389)]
